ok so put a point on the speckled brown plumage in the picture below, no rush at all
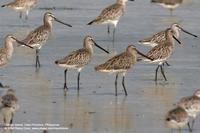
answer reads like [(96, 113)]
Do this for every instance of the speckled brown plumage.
[(161, 36), (191, 104), (7, 51), (22, 6), (178, 114), (160, 53), (38, 37), (158, 37), (3, 57), (164, 49), (120, 64), (123, 61), (77, 58), (9, 99), (111, 13)]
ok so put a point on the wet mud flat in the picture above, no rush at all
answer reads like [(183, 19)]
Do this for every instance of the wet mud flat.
[(96, 109)]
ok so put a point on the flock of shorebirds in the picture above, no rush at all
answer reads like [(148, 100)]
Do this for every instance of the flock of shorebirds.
[(162, 44)]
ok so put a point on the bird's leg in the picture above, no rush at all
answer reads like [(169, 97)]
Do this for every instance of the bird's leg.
[(20, 15), (78, 79), (171, 130), (116, 84), (193, 121), (65, 82), (1, 85), (156, 74), (27, 12), (163, 73), (179, 130), (171, 12), (11, 121), (37, 58), (189, 127), (167, 63), (114, 37), (124, 85), (108, 29)]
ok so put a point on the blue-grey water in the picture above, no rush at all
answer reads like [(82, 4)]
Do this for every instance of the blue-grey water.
[(96, 109)]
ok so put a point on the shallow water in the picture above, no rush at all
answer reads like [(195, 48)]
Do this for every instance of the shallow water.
[(96, 109)]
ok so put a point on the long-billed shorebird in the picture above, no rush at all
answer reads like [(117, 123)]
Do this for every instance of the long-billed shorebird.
[(162, 52), (191, 104), (111, 15), (177, 119), (21, 6), (38, 37), (7, 51), (78, 59), (120, 64), (169, 4), (161, 36)]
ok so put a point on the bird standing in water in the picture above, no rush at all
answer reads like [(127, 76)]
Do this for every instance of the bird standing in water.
[(38, 37), (160, 53), (22, 6), (111, 15), (78, 59), (120, 64)]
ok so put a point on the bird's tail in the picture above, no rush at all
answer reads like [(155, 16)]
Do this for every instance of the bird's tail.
[(155, 1), (96, 68), (6, 5), (100, 68), (90, 23), (56, 62), (95, 21), (141, 41)]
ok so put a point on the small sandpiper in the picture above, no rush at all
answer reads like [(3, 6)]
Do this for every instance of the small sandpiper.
[(177, 119), (9, 106), (191, 104)]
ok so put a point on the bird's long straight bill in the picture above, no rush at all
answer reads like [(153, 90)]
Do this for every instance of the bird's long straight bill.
[(22, 43), (100, 47), (176, 39), (188, 32), (62, 22), (144, 55)]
